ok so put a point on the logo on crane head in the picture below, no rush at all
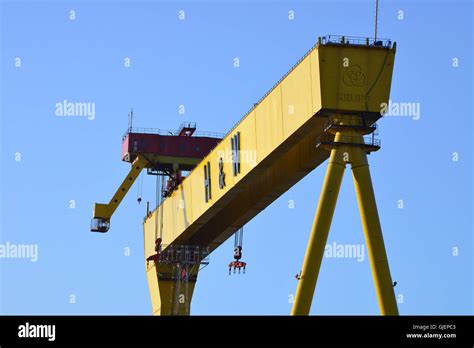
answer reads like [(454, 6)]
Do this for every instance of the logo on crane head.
[(354, 76)]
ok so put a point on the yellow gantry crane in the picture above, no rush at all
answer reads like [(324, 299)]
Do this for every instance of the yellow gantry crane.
[(325, 107)]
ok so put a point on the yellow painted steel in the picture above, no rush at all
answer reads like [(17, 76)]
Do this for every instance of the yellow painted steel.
[(356, 156), (319, 232), (282, 119), (373, 234), (175, 295), (105, 211), (277, 149), (277, 139)]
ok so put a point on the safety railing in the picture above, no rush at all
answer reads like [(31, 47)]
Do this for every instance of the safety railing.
[(185, 254), (357, 123), (171, 133), (367, 141), (355, 40)]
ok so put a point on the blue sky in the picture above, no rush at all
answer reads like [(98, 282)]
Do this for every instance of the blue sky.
[(190, 63)]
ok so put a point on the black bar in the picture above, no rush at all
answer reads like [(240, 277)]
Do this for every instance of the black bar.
[(164, 331)]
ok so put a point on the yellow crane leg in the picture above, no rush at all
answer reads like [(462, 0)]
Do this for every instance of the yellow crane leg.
[(373, 233), (319, 234), (170, 294), (340, 155)]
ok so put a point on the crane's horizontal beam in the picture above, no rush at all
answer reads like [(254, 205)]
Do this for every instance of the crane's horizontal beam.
[(274, 145)]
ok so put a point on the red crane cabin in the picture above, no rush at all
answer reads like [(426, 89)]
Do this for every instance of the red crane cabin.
[(178, 151)]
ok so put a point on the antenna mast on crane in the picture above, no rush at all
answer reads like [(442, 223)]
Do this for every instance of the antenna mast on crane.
[(130, 119), (376, 18)]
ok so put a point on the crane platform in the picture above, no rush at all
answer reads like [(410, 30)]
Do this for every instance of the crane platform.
[(184, 148)]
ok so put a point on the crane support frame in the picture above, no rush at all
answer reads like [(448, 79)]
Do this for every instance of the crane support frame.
[(281, 133), (277, 143), (355, 154)]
